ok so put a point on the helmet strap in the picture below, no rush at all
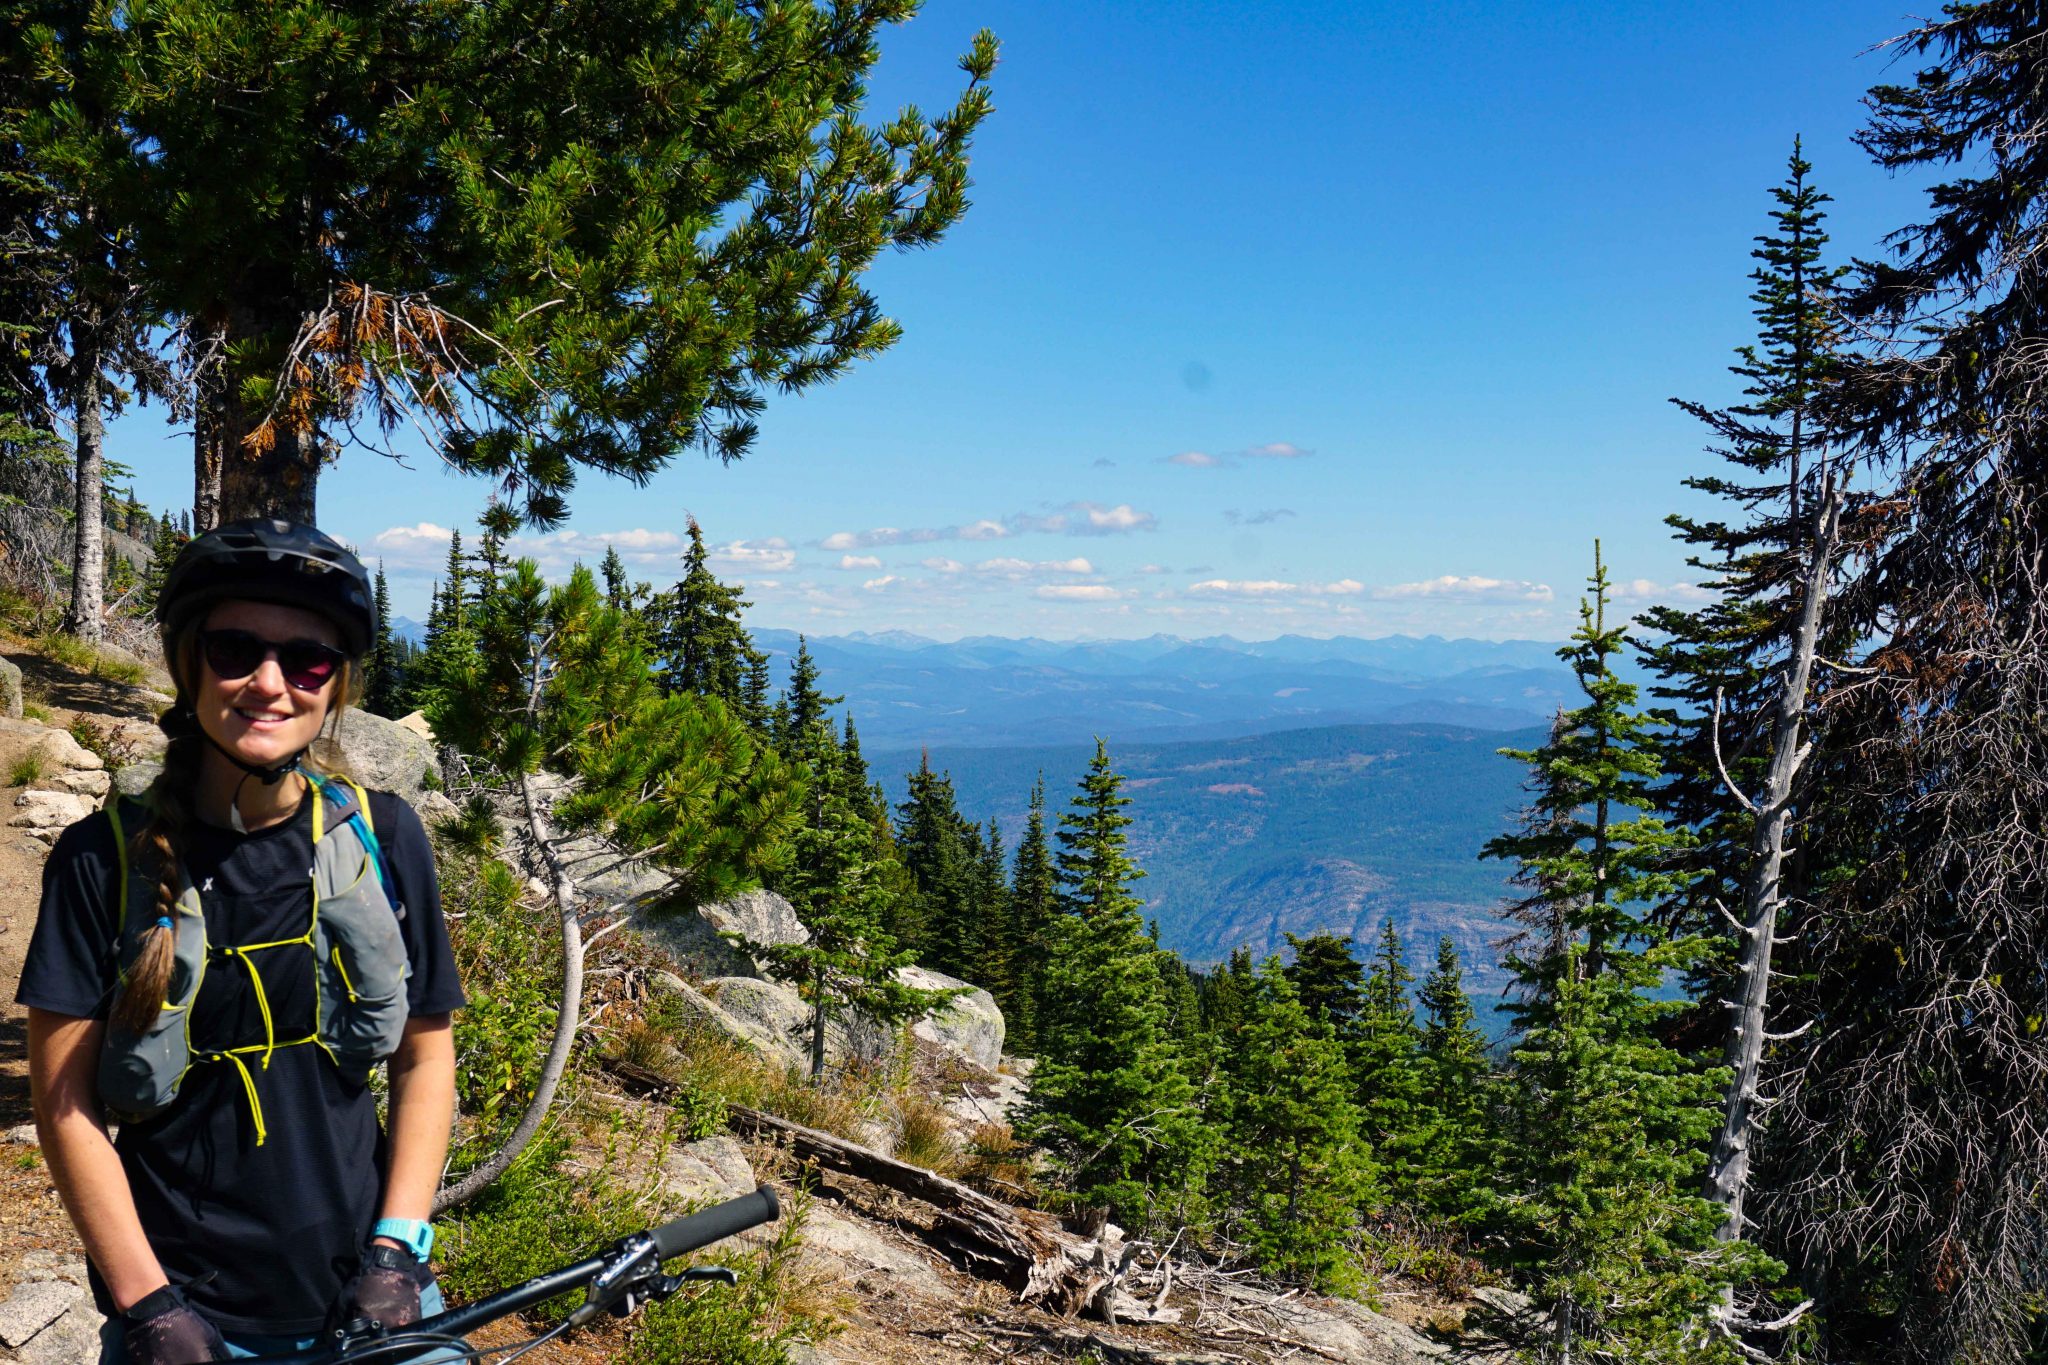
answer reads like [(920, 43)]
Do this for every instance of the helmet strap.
[(268, 776)]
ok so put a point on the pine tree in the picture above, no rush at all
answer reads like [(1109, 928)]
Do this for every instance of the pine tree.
[(536, 140), (1225, 997), (163, 552), (1907, 1159), (1110, 1097), (1605, 1154), (1296, 1171)]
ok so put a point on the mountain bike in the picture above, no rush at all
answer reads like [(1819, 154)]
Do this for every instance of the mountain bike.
[(618, 1280)]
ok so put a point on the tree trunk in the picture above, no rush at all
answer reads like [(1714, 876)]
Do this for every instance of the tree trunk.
[(88, 546), (1728, 1164), (232, 479), (278, 482), (1022, 1248), (567, 1017)]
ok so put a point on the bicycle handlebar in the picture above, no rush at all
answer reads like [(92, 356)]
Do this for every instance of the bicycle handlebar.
[(715, 1223), (671, 1239)]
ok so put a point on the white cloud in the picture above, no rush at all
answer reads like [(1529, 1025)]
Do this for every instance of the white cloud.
[(882, 584), (772, 555), (940, 564), (1077, 592), (407, 547), (859, 562), (1650, 592), (1268, 588), (1075, 519), (1468, 588), (1271, 450), (1024, 568), (1110, 521), (425, 546), (1152, 568), (1259, 518)]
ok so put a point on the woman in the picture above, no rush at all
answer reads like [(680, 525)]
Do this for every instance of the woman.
[(190, 980)]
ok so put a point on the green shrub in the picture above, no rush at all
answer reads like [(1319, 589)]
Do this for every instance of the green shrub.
[(538, 1215), (78, 654), (36, 711), (27, 770), (752, 1323), (510, 959)]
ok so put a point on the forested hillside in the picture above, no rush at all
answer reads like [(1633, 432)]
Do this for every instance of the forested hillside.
[(1336, 829)]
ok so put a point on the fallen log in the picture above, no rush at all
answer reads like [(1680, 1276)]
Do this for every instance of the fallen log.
[(1029, 1251)]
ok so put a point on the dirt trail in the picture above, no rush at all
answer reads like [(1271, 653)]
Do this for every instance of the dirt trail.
[(32, 1223)]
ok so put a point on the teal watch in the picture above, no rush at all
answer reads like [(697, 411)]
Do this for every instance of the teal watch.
[(417, 1235)]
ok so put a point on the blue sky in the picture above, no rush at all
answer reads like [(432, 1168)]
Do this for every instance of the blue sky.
[(1329, 318)]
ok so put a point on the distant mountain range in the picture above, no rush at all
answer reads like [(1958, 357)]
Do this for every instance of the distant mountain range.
[(1246, 840), (904, 690)]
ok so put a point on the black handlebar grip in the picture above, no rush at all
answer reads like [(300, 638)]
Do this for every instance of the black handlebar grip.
[(720, 1220)]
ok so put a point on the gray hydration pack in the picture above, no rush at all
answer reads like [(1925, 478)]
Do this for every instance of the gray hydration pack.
[(359, 962)]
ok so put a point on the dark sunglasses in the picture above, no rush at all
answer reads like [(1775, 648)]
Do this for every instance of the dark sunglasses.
[(306, 664)]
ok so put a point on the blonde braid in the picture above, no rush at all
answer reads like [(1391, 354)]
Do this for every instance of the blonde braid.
[(160, 843)]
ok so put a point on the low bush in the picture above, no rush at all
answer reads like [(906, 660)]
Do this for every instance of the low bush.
[(96, 738), (27, 770), (925, 1136)]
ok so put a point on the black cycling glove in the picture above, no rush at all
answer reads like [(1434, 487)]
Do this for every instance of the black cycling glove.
[(386, 1289), (163, 1329)]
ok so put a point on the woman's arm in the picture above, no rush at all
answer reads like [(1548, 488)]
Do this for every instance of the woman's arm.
[(63, 1063), (422, 1111)]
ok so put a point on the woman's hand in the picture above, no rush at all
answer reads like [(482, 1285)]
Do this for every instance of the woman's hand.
[(386, 1289), (164, 1330)]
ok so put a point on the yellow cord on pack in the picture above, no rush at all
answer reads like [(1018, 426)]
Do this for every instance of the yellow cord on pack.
[(249, 1087)]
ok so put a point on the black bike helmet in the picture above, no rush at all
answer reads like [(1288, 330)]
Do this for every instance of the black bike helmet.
[(262, 560)]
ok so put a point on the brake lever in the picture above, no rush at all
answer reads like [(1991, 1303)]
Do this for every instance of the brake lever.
[(621, 1280)]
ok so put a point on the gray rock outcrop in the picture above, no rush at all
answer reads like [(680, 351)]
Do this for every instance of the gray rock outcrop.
[(970, 1026), (706, 1172), (384, 755), (10, 690)]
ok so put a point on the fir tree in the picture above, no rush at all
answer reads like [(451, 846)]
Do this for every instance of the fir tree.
[(1225, 996), (381, 693), (1034, 912), (1110, 1097), (940, 923), (1597, 1203), (1387, 1068), (805, 703), (1454, 1174), (704, 648), (834, 879), (1296, 1172), (1329, 982)]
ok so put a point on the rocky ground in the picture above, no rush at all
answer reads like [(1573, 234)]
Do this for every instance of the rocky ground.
[(869, 1252)]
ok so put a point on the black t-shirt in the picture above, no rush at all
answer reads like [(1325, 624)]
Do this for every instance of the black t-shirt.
[(279, 1226)]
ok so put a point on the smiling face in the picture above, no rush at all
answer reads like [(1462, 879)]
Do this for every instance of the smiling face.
[(261, 719)]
